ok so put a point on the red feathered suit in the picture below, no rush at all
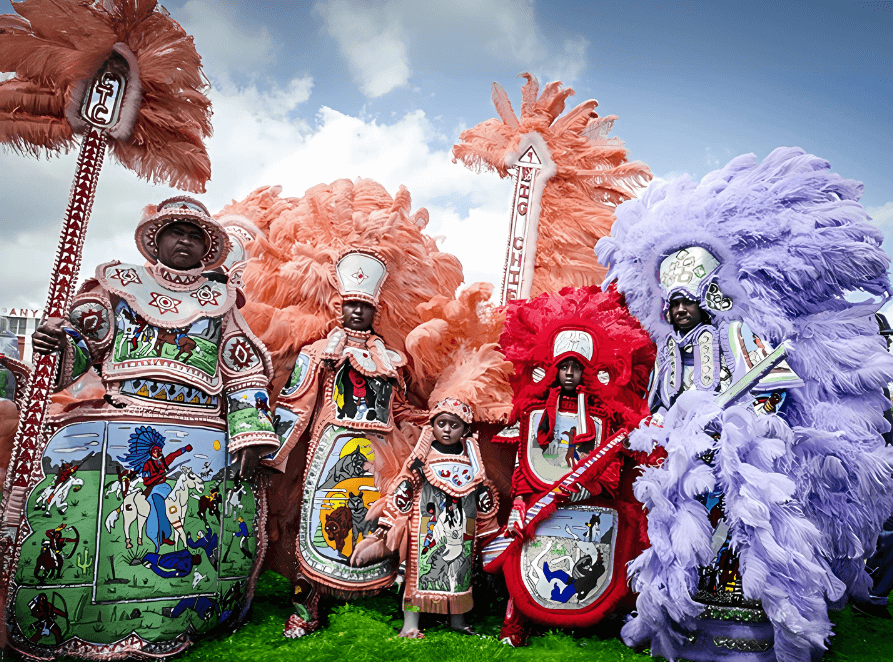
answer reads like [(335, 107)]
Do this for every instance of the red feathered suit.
[(565, 566)]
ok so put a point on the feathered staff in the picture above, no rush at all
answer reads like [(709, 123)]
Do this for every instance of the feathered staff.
[(119, 73), (569, 177)]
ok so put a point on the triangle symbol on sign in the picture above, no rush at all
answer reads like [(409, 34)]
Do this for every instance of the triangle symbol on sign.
[(530, 156)]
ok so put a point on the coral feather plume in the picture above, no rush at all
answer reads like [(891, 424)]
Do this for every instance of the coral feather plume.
[(54, 47), (578, 202), (289, 282)]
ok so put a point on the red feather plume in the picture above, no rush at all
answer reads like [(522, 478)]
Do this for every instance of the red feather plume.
[(623, 348)]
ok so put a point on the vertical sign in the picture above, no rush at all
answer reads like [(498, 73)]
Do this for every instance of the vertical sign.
[(519, 260)]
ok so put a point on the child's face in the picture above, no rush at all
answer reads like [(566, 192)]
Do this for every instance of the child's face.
[(570, 374), (448, 428)]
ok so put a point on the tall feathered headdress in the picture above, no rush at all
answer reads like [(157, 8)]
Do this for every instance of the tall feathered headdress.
[(139, 446), (291, 284), (56, 46), (789, 241), (455, 354), (578, 202), (615, 351)]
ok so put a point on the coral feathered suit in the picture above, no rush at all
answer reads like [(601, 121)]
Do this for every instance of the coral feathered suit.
[(346, 445)]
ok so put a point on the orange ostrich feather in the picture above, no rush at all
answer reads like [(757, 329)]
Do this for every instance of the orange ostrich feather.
[(55, 46), (592, 178), (289, 283), (455, 355)]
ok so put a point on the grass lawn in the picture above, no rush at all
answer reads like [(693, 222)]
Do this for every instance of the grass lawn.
[(366, 630)]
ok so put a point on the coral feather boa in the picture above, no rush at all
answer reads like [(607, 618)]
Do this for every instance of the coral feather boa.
[(780, 551)]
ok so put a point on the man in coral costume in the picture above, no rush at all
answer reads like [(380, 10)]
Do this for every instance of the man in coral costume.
[(190, 394), (346, 392)]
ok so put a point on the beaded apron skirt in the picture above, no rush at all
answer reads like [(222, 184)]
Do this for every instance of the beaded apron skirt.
[(140, 539)]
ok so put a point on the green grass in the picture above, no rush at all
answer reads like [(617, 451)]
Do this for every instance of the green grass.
[(366, 631)]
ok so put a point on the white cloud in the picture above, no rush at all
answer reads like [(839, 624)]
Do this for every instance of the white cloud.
[(371, 38), (569, 65), (258, 140), (401, 153), (883, 218), (711, 160), (882, 215), (478, 240), (226, 39), (253, 129), (384, 42)]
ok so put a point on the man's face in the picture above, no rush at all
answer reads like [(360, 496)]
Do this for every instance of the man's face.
[(685, 314), (155, 452), (570, 374), (181, 246), (357, 315)]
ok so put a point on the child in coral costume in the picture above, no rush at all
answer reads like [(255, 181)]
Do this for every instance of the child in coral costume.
[(441, 505), (446, 505), (180, 370)]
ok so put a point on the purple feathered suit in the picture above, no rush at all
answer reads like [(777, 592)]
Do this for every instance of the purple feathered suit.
[(773, 252)]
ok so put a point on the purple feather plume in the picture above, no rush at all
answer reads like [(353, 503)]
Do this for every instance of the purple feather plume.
[(795, 246)]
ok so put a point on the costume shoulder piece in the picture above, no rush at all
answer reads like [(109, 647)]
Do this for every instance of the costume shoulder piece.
[(243, 357), (457, 475), (164, 297)]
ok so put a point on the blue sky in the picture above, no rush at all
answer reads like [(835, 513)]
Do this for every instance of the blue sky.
[(309, 92)]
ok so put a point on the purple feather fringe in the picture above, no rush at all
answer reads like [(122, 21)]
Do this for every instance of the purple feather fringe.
[(793, 242), (779, 549)]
